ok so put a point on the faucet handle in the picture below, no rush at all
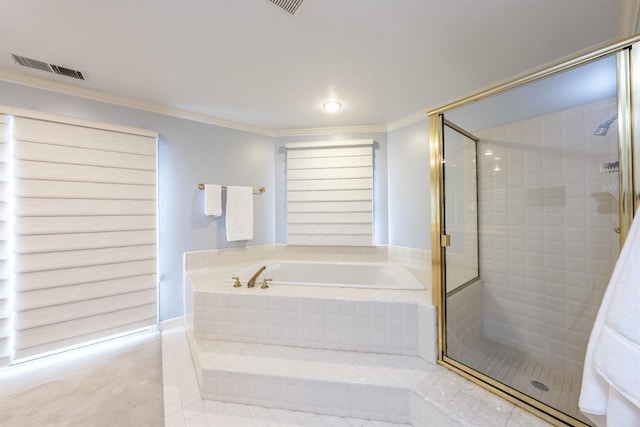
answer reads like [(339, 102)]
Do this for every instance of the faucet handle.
[(264, 283), (237, 283)]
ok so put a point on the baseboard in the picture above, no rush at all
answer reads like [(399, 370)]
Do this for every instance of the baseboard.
[(172, 323)]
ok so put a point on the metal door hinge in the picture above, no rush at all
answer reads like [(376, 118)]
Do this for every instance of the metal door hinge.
[(445, 240)]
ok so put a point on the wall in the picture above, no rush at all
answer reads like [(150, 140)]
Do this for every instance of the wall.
[(547, 244), (409, 186), (402, 194), (464, 320), (380, 186), (189, 153)]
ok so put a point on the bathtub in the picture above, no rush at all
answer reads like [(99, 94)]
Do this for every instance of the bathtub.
[(382, 275)]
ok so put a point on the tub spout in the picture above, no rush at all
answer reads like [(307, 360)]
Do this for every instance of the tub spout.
[(252, 282)]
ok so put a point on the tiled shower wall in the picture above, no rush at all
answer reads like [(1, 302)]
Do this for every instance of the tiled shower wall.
[(547, 242), (464, 318)]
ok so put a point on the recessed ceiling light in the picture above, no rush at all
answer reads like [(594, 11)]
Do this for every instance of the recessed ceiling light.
[(331, 106)]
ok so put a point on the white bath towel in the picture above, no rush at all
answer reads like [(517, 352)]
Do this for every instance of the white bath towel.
[(239, 217), (610, 394), (212, 200)]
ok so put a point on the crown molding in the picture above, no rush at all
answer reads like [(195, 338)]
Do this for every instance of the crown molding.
[(341, 130), (409, 120), (50, 117), (96, 95)]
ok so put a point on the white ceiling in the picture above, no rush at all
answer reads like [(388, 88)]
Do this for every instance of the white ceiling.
[(247, 61)]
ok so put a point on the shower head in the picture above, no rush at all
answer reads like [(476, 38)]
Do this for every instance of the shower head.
[(604, 127)]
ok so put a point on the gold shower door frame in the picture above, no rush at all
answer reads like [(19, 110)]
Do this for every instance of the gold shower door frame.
[(628, 90)]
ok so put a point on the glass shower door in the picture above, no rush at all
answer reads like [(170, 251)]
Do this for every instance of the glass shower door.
[(460, 239), (546, 230), (461, 207)]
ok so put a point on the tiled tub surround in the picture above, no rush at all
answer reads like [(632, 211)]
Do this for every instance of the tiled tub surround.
[(350, 352), (347, 352), (374, 320), (323, 318)]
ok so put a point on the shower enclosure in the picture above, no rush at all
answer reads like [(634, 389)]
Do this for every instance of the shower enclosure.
[(535, 195)]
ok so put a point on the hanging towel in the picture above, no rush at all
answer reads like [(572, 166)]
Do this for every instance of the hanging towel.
[(610, 394), (212, 200), (239, 213)]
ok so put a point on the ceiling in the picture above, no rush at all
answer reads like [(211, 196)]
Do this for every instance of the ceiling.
[(248, 62)]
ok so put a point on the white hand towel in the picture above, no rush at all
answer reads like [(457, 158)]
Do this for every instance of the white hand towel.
[(212, 200), (610, 394), (239, 217)]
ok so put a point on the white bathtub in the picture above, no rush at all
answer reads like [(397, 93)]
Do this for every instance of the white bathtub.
[(383, 275)]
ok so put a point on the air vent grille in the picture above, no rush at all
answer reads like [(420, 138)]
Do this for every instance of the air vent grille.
[(67, 72), (289, 6), (49, 68), (32, 63)]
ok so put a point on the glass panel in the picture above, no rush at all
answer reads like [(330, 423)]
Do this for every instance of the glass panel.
[(461, 208), (548, 197)]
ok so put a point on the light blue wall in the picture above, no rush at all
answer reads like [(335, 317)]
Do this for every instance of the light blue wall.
[(409, 186), (380, 188), (192, 152), (189, 153)]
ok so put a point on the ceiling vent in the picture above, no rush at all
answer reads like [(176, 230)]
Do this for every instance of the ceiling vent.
[(289, 6), (49, 68)]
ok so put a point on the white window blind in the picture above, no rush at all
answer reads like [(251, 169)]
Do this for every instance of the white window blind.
[(5, 290), (330, 193), (85, 233)]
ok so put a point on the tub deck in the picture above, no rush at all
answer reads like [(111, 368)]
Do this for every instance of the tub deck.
[(345, 274), (218, 281)]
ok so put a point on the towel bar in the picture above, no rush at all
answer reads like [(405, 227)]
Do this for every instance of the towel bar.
[(224, 187)]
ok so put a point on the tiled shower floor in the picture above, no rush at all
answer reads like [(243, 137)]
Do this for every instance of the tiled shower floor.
[(517, 369)]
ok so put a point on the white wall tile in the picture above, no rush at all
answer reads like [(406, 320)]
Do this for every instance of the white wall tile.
[(427, 333), (565, 249)]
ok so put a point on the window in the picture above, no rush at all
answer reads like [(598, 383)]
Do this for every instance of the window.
[(84, 232), (5, 285), (330, 193)]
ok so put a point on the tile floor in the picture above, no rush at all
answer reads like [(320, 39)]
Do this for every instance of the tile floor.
[(517, 369), (185, 407), (112, 383)]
